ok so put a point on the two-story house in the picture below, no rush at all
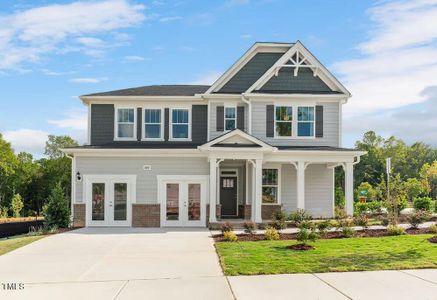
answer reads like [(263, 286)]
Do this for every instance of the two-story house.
[(265, 136)]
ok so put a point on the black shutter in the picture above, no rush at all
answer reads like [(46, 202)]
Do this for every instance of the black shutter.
[(220, 126), (319, 121), (240, 117), (270, 120), (139, 123), (166, 120)]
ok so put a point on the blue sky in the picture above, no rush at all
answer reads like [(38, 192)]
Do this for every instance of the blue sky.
[(53, 51)]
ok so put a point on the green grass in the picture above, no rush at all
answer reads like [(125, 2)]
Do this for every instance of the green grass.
[(331, 255), (7, 245)]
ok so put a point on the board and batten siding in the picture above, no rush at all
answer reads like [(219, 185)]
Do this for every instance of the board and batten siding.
[(146, 180), (213, 133), (330, 127)]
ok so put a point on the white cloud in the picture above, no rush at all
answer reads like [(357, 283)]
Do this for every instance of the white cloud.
[(27, 35), (207, 78), (55, 73), (246, 36), (133, 58), (169, 19), (74, 119), (28, 140), (88, 79), (91, 42)]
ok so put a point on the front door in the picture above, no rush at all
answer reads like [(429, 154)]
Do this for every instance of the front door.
[(108, 201), (228, 196), (183, 202)]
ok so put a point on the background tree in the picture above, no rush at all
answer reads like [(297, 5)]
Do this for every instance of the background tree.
[(57, 211), (8, 166), (55, 143), (16, 205)]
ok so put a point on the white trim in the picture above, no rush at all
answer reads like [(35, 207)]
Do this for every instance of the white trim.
[(236, 175), (170, 124), (89, 124), (248, 137), (279, 168), (224, 117), (295, 121), (143, 121), (116, 138)]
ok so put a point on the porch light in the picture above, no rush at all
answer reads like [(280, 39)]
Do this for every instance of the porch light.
[(78, 176)]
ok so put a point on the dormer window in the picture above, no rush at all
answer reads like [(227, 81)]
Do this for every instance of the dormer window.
[(230, 118), (125, 124)]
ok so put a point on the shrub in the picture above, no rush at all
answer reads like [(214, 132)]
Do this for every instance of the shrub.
[(56, 211), (225, 227), (344, 223), (433, 228), (304, 235), (361, 220), (423, 203), (361, 208), (16, 205), (395, 230), (375, 207), (230, 236), (323, 227), (3, 212), (384, 221), (278, 220), (249, 227), (271, 234), (417, 218), (340, 213), (347, 231), (299, 216)]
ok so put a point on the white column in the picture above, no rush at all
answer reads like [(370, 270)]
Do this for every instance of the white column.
[(212, 189), (349, 188), (300, 185), (258, 191)]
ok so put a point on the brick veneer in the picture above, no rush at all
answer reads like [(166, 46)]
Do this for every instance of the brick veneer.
[(146, 215), (247, 212), (79, 215), (218, 212), (268, 210)]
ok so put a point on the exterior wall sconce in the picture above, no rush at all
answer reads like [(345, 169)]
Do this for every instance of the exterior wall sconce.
[(78, 176)]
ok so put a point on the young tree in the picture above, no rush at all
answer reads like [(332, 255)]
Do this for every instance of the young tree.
[(413, 187), (428, 175), (55, 143), (17, 205), (56, 211)]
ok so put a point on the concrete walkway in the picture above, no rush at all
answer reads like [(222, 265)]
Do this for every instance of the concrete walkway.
[(116, 263)]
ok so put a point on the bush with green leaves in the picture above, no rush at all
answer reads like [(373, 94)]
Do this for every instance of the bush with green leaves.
[(395, 230), (278, 220), (300, 216), (339, 212), (271, 234), (361, 207), (304, 235), (249, 227), (17, 205), (361, 220), (423, 203), (417, 218), (433, 228), (3, 212), (56, 211), (347, 231), (323, 227), (339, 197), (435, 206), (375, 207), (230, 236), (225, 227)]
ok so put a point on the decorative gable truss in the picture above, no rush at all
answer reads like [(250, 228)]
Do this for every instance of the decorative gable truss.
[(298, 57)]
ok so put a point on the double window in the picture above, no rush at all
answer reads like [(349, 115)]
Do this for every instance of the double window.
[(294, 121), (180, 123), (125, 127), (270, 186), (153, 124), (230, 118)]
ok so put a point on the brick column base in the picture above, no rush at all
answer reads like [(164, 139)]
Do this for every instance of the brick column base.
[(247, 212), (146, 215), (268, 210), (218, 212), (79, 215)]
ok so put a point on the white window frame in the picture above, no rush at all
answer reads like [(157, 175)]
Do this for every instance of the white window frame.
[(116, 138), (143, 128), (278, 168), (313, 121), (294, 123), (171, 138), (224, 117)]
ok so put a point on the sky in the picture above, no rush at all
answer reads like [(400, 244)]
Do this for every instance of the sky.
[(384, 52)]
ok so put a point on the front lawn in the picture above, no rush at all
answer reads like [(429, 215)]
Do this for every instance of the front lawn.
[(7, 245), (330, 255)]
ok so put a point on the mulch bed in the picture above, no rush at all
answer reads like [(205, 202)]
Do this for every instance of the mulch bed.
[(329, 235), (300, 247), (433, 239)]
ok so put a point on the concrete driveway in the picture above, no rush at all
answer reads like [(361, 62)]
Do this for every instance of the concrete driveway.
[(116, 263)]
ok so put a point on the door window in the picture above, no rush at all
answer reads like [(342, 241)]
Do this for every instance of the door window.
[(120, 201), (98, 202), (193, 202), (172, 201)]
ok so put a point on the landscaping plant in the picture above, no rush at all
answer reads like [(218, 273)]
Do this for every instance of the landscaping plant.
[(300, 216), (417, 218), (56, 211), (395, 230), (271, 234), (306, 234), (225, 227), (230, 236), (433, 228), (3, 212), (278, 220), (323, 227), (249, 227), (423, 203), (16, 205), (361, 220)]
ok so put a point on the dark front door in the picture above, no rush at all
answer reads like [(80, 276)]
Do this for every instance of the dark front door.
[(228, 196)]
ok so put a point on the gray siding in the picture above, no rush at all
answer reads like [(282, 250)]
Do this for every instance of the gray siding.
[(199, 134), (330, 128), (288, 187), (146, 180), (102, 123), (213, 133), (319, 191), (250, 72)]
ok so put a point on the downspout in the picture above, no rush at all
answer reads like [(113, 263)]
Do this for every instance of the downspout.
[(249, 113)]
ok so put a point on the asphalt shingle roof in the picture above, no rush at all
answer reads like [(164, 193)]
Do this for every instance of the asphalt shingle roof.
[(157, 90)]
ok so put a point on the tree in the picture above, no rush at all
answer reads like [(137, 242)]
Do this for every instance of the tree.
[(428, 175), (8, 165), (17, 205), (56, 211), (413, 187), (370, 191), (55, 143)]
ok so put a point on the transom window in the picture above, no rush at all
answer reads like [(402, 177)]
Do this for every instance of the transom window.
[(125, 123), (270, 186), (284, 121), (305, 121), (180, 123), (152, 124), (230, 118)]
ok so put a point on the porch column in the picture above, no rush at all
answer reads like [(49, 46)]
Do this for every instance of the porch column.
[(300, 185), (258, 191), (349, 187), (212, 189)]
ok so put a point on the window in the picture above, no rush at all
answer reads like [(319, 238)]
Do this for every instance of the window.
[(284, 121), (125, 123), (270, 186), (152, 124), (305, 121), (180, 124), (230, 118)]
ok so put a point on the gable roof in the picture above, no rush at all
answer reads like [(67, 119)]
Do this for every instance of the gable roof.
[(157, 90), (236, 139)]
